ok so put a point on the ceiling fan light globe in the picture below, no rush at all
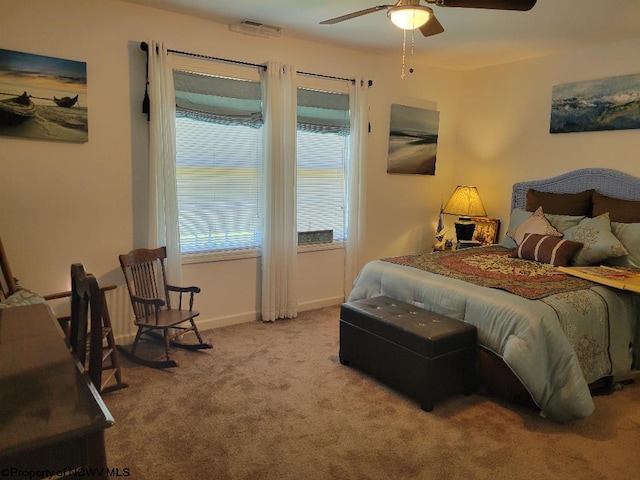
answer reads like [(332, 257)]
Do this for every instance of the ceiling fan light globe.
[(409, 17)]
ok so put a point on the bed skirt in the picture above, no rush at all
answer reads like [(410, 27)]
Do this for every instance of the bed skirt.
[(495, 379)]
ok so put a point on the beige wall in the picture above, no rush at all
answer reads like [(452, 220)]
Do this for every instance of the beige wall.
[(503, 128), (64, 203)]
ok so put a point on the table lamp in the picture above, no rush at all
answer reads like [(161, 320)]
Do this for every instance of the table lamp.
[(465, 202)]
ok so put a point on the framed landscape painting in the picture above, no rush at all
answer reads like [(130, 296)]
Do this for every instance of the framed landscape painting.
[(605, 104), (43, 98), (413, 140)]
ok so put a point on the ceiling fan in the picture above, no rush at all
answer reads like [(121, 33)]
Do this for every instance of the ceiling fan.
[(409, 14)]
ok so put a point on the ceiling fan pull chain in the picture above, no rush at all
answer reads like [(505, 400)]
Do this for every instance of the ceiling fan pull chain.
[(413, 42), (404, 41)]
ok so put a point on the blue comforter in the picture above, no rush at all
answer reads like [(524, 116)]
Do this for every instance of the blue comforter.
[(555, 345)]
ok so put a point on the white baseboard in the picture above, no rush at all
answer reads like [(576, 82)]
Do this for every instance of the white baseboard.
[(219, 322), (323, 302), (209, 323), (203, 325)]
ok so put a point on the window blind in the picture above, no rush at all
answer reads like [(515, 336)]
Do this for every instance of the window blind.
[(218, 99), (219, 151), (322, 150), (323, 112)]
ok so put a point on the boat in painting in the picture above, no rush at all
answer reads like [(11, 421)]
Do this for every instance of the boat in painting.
[(16, 110), (66, 102)]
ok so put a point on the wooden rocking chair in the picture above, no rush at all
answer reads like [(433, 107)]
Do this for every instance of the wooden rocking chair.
[(86, 322), (76, 325), (146, 279), (90, 331)]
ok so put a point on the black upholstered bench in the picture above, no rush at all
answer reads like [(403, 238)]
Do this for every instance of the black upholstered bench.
[(419, 353)]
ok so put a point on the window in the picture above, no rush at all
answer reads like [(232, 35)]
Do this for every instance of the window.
[(322, 149), (218, 156), (219, 139)]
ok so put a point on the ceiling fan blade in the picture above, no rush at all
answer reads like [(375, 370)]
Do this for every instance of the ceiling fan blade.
[(432, 27), (359, 13), (521, 5)]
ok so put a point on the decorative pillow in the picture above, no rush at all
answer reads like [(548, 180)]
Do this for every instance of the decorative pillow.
[(545, 249), (563, 222), (629, 236), (559, 222), (560, 203), (625, 211), (537, 223), (518, 217), (599, 243)]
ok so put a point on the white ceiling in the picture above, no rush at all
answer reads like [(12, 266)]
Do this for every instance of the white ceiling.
[(472, 38)]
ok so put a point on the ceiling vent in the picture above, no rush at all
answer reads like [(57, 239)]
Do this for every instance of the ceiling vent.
[(257, 29)]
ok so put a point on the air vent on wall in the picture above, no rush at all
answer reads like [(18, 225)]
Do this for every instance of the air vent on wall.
[(250, 27)]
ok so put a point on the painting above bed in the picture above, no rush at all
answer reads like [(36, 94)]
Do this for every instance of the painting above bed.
[(604, 104)]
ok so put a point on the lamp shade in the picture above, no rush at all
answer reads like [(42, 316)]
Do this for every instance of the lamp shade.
[(465, 202), (410, 16)]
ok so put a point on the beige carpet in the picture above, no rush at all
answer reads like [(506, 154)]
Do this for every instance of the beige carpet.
[(271, 401)]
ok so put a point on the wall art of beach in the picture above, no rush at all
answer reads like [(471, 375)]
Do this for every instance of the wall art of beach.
[(413, 140), (43, 97)]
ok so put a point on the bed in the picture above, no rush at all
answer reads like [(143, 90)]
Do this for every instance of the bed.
[(553, 333)]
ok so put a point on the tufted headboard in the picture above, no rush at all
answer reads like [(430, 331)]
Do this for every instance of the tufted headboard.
[(612, 183)]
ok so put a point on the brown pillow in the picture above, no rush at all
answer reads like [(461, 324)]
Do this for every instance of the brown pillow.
[(560, 203), (623, 211), (545, 249)]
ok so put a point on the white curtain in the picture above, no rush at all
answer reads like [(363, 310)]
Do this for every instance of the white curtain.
[(279, 246), (355, 174), (163, 189)]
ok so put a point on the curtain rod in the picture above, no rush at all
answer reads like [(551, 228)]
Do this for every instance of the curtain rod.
[(330, 77), (145, 47)]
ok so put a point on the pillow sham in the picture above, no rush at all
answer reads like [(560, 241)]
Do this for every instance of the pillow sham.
[(563, 222), (629, 236), (546, 249), (559, 222), (537, 223), (599, 244), (560, 203), (517, 218), (625, 211)]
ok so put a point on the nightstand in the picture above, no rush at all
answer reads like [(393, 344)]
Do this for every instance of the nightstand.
[(466, 244), (456, 246)]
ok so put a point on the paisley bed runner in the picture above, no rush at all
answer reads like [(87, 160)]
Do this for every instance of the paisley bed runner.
[(492, 267)]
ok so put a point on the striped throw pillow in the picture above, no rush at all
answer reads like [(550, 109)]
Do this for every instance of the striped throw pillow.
[(547, 249)]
